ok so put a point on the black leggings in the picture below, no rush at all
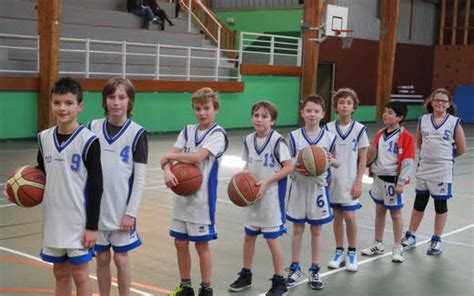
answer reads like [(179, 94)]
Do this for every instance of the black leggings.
[(421, 200)]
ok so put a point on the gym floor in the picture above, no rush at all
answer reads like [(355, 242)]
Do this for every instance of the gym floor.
[(154, 269)]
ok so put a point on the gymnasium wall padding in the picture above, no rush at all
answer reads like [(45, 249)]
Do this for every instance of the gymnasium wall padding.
[(464, 100)]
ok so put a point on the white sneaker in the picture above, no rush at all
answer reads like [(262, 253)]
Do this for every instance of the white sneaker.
[(352, 264), (408, 241), (376, 248), (397, 254), (338, 260)]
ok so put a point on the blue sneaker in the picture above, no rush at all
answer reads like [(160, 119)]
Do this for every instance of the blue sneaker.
[(435, 246), (408, 241), (352, 264), (338, 260)]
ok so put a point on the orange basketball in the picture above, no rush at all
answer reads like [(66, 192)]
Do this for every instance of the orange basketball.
[(314, 160), (243, 189), (25, 187), (189, 178), (371, 154)]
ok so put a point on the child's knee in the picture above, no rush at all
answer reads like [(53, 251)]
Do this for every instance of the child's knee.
[(103, 258), (316, 230), (181, 244), (349, 216), (202, 247), (80, 273), (298, 229), (121, 259), (396, 214), (61, 272)]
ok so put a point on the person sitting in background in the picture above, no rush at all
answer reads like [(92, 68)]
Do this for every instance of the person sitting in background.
[(138, 8), (160, 13)]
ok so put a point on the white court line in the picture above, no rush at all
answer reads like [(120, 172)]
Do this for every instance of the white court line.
[(7, 205), (90, 276), (324, 274)]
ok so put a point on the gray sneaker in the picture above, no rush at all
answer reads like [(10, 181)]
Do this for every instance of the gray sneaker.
[(434, 248), (294, 276), (314, 281), (408, 241)]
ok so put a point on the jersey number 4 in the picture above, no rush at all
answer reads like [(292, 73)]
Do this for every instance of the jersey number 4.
[(124, 154)]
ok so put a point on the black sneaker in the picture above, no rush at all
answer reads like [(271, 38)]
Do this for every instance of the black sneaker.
[(278, 288), (205, 291), (314, 281), (243, 282), (183, 290)]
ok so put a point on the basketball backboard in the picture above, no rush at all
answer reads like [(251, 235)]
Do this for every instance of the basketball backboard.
[(336, 20)]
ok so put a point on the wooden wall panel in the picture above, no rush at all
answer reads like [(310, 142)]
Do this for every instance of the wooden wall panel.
[(453, 65)]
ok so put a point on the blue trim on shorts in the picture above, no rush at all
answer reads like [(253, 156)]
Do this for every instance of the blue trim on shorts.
[(178, 235), (270, 235), (380, 202), (204, 238), (339, 206), (441, 197), (129, 247), (422, 192), (74, 260), (102, 248), (297, 221), (53, 259), (397, 207), (82, 259), (321, 221)]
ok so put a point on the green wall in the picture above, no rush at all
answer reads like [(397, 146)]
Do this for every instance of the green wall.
[(18, 118), (368, 113), (164, 111), (277, 20)]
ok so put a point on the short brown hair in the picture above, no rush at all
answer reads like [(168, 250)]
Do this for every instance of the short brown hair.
[(317, 99), (111, 86), (269, 106), (344, 93), (451, 109), (204, 96)]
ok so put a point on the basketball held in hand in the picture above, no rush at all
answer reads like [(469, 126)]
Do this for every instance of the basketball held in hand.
[(25, 186), (314, 160), (189, 178), (243, 189)]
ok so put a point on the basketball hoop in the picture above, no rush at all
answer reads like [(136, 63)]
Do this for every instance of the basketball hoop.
[(346, 37)]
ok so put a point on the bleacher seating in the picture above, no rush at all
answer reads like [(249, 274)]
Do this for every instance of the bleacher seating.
[(106, 20)]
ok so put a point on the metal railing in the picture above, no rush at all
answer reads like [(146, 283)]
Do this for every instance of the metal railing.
[(87, 57), (210, 25), (101, 58), (269, 49)]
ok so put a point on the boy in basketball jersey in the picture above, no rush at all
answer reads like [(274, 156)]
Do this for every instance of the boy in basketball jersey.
[(346, 185), (203, 145), (69, 154), (124, 153), (308, 200), (395, 152), (269, 161)]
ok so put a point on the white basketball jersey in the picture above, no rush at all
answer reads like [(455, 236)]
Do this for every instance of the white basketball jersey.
[(263, 162), (201, 206), (348, 144), (436, 161), (64, 202), (116, 156), (386, 163), (299, 139)]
